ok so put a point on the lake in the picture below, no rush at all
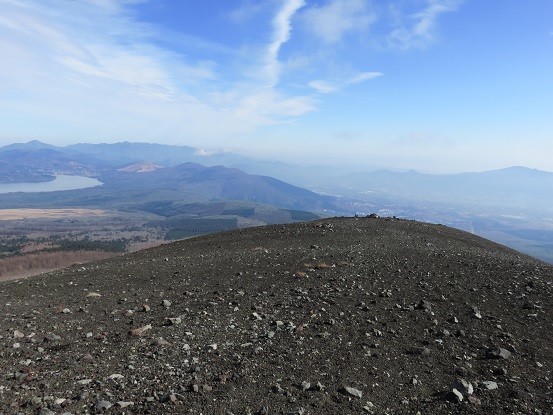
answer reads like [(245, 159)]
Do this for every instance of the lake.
[(61, 182)]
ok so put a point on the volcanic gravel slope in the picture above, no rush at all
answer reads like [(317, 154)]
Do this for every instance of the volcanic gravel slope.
[(341, 316)]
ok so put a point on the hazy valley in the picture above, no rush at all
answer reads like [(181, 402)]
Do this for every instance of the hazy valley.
[(150, 194)]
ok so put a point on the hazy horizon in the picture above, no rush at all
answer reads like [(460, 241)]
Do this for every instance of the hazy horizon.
[(207, 154), (439, 86)]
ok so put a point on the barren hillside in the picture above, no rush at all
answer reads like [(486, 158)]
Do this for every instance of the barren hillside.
[(341, 316)]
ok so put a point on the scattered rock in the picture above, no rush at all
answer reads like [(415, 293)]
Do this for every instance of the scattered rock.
[(139, 331), (498, 353), (455, 396), (419, 351), (305, 385), (103, 405), (160, 341), (93, 294), (318, 387), (474, 400), (424, 305), (463, 386), (388, 325), (489, 385), (51, 337), (348, 390), (168, 398)]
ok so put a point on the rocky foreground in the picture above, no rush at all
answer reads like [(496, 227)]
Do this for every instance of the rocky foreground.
[(341, 316)]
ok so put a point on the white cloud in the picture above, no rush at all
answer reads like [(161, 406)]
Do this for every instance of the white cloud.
[(420, 30), (72, 52), (322, 86), (364, 76), (204, 153), (327, 87), (112, 6), (87, 69), (282, 28), (268, 106), (331, 21)]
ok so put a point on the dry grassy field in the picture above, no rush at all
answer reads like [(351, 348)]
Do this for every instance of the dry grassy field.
[(34, 241), (17, 214)]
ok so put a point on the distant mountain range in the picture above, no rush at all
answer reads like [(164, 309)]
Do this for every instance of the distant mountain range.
[(129, 177), (201, 183), (515, 187), (166, 166), (121, 155), (513, 206)]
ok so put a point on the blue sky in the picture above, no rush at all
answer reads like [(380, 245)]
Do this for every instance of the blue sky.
[(434, 85)]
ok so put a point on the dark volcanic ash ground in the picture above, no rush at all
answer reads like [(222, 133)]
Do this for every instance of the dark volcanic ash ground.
[(340, 316)]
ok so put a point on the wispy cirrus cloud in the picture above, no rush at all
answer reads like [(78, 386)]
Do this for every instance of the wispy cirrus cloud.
[(398, 24), (282, 28), (418, 29), (258, 98), (364, 76), (96, 68), (112, 5), (323, 86), (76, 63), (73, 51), (333, 20), (326, 87)]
